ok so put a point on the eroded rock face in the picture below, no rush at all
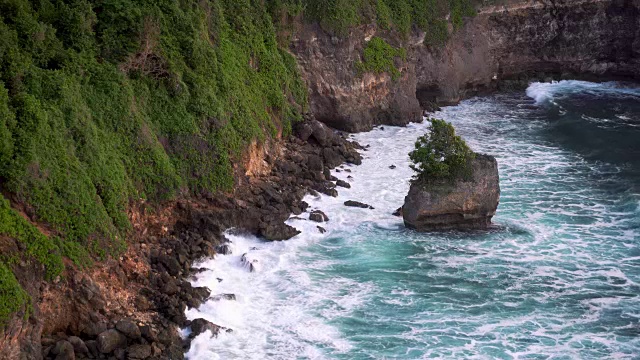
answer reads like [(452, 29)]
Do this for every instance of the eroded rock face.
[(506, 45), (459, 205), (341, 98)]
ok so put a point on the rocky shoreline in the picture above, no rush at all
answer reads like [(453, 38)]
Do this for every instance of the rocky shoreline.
[(147, 326)]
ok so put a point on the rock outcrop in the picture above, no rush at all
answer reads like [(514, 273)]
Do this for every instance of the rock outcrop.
[(443, 205)]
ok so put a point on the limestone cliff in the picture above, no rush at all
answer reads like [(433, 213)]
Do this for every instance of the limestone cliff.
[(516, 41)]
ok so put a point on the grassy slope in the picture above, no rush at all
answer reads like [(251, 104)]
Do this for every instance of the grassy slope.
[(103, 102)]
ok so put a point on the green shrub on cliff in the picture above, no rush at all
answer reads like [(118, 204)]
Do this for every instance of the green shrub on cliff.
[(441, 154), (380, 57), (12, 297)]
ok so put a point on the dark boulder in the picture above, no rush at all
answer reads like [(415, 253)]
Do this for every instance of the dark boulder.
[(223, 297), (64, 351), (278, 231), (444, 205), (343, 184), (110, 340), (321, 229), (139, 352), (79, 347), (358, 204), (128, 328), (199, 326), (318, 216), (398, 212), (224, 249)]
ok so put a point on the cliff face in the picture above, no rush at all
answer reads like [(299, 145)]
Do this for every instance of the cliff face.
[(341, 98), (518, 40)]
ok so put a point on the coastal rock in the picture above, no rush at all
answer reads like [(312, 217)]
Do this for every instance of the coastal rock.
[(224, 297), (458, 205), (358, 204), (224, 249), (343, 184), (277, 231), (318, 216), (249, 263), (199, 326)]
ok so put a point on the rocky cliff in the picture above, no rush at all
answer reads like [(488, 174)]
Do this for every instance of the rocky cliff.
[(505, 44)]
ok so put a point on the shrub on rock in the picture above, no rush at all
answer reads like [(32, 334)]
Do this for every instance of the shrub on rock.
[(454, 188)]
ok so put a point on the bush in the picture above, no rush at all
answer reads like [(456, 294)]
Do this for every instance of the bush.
[(380, 57), (441, 154)]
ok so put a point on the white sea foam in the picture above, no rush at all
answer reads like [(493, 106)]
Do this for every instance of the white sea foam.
[(543, 92)]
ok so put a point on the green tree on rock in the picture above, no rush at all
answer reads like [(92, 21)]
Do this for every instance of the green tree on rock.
[(441, 154)]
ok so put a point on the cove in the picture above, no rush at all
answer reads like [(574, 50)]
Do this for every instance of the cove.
[(556, 277)]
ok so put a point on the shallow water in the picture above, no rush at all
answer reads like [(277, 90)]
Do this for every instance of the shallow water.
[(558, 277)]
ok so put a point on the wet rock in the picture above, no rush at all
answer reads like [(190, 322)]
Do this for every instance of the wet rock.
[(358, 204), (330, 191), (321, 229), (110, 340), (224, 297), (199, 326), (128, 328), (318, 216), (392, 167), (224, 249), (278, 231), (398, 212), (248, 263), (443, 205), (343, 184)]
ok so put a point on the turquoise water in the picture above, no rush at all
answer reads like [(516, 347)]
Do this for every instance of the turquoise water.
[(558, 276)]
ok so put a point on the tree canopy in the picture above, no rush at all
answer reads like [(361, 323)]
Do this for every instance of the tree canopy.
[(441, 154)]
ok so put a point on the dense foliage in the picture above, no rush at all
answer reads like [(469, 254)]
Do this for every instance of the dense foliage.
[(441, 154), (107, 101), (380, 57), (340, 15)]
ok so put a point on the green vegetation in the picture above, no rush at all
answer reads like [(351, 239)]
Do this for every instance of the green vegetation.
[(380, 57), (441, 154), (339, 16), (12, 297), (107, 101)]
